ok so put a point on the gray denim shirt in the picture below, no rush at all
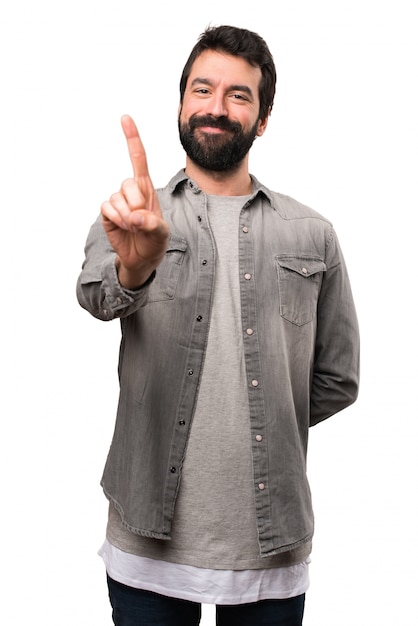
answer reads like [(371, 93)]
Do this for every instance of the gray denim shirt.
[(301, 345)]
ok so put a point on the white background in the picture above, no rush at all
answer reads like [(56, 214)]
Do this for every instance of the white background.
[(342, 138)]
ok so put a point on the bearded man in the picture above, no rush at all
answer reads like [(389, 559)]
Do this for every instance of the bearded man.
[(239, 333)]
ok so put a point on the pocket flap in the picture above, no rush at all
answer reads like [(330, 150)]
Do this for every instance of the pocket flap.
[(176, 243), (303, 265)]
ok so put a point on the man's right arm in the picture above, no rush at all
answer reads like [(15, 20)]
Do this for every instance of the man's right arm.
[(99, 289), (126, 246)]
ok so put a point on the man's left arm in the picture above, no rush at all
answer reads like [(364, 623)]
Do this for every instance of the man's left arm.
[(337, 351)]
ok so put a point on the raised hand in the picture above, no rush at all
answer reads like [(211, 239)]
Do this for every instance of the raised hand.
[(133, 220)]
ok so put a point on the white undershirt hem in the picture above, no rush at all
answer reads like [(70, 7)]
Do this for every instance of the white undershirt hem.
[(206, 586)]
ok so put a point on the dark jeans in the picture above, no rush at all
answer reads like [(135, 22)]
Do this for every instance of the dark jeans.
[(135, 607)]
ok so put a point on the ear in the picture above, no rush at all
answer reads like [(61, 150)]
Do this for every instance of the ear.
[(262, 125)]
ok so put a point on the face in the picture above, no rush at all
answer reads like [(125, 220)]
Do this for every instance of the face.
[(219, 115)]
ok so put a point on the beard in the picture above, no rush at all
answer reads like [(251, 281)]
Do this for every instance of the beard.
[(217, 153)]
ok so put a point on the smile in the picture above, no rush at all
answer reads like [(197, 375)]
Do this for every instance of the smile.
[(211, 130)]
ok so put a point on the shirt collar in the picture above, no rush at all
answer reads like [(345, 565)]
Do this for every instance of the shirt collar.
[(258, 188)]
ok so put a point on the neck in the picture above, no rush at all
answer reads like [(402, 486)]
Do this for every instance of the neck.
[(235, 183)]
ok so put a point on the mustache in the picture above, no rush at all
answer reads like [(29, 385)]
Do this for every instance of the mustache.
[(222, 122)]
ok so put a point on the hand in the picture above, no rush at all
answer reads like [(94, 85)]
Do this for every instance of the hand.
[(133, 220)]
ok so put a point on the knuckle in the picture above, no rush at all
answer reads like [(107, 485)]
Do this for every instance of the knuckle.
[(115, 198), (128, 183)]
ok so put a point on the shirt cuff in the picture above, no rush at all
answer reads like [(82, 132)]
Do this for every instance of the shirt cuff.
[(117, 299)]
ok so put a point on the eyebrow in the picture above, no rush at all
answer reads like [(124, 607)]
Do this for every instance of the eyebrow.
[(206, 81)]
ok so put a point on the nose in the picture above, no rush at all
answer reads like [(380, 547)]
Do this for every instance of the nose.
[(216, 105)]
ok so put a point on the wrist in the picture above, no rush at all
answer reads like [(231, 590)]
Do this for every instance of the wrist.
[(133, 278)]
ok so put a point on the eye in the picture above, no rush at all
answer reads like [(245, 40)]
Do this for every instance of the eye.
[(240, 97)]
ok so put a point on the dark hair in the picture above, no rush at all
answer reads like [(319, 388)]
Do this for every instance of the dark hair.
[(242, 43)]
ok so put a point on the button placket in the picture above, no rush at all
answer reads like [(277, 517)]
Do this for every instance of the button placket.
[(253, 368), (205, 256)]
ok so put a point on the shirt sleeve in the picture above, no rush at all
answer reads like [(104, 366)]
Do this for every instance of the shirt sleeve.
[(335, 380), (98, 287)]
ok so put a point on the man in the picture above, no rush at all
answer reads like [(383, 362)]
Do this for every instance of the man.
[(238, 333)]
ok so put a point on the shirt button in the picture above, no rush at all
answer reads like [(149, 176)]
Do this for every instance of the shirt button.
[(199, 318), (204, 262), (250, 331), (304, 270), (247, 276), (173, 470), (190, 372), (259, 437), (182, 422), (255, 383), (245, 229), (261, 486)]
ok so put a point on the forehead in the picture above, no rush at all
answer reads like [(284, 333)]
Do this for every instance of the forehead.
[(225, 69)]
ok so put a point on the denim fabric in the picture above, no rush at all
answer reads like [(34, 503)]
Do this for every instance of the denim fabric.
[(136, 607), (301, 347)]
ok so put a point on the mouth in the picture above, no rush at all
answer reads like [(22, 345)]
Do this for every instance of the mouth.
[(208, 125), (211, 130)]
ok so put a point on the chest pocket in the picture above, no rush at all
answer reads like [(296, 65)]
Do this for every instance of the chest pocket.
[(168, 272), (300, 279)]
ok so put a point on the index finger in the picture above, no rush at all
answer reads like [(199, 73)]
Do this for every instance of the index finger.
[(135, 147)]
